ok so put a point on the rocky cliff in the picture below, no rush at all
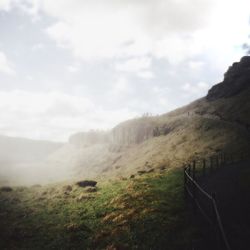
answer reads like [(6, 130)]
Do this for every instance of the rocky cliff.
[(90, 138), (236, 79)]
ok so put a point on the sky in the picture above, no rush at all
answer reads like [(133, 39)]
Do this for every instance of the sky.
[(74, 65)]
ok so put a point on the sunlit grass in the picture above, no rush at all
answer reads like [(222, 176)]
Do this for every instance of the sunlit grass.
[(146, 213)]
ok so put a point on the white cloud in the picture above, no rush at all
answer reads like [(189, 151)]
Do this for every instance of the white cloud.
[(96, 30), (146, 74), (5, 5), (5, 65), (120, 88), (72, 68), (38, 46), (134, 64), (141, 66), (173, 30), (196, 90), (53, 115), (195, 65)]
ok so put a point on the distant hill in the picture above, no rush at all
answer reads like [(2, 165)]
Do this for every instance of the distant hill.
[(24, 159), (16, 150)]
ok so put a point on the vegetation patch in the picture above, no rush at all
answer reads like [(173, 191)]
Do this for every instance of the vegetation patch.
[(146, 212)]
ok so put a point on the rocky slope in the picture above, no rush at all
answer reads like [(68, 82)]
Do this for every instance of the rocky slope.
[(236, 80)]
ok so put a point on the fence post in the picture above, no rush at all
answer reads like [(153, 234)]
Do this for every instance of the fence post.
[(189, 170), (194, 163), (204, 167), (185, 181)]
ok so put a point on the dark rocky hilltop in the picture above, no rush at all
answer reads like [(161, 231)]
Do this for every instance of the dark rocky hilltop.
[(236, 79)]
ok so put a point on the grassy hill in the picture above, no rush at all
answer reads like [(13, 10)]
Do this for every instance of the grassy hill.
[(143, 213)]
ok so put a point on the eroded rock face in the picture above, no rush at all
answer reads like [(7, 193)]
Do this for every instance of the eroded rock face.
[(236, 79)]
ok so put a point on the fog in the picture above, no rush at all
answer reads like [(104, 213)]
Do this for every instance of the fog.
[(29, 162)]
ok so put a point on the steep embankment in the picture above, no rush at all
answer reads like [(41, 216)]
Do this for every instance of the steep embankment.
[(219, 121)]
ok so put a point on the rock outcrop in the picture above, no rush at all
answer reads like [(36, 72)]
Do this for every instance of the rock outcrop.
[(90, 138), (133, 131), (236, 79)]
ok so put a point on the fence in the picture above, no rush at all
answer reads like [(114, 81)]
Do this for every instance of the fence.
[(203, 201)]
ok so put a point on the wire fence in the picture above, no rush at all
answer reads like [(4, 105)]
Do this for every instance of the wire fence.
[(202, 200)]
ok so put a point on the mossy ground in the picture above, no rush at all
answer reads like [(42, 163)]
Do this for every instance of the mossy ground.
[(147, 212)]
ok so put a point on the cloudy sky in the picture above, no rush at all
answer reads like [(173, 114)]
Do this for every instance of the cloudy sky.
[(75, 65)]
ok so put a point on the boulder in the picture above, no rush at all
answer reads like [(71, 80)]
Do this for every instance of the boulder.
[(6, 189), (86, 183)]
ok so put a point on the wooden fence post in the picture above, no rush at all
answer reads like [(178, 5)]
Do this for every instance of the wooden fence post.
[(189, 170), (194, 166), (185, 181), (204, 167)]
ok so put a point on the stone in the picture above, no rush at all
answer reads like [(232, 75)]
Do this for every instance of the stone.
[(6, 189), (86, 183)]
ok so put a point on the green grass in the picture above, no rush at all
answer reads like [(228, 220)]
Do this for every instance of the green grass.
[(143, 213)]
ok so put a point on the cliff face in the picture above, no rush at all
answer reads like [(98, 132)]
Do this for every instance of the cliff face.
[(236, 79), (90, 138), (130, 132), (133, 132)]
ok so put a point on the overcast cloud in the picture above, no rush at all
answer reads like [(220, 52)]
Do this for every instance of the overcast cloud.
[(74, 65)]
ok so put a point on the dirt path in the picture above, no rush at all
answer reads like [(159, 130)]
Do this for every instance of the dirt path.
[(232, 187)]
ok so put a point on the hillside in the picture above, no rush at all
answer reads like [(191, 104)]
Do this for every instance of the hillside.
[(219, 121), (146, 210)]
